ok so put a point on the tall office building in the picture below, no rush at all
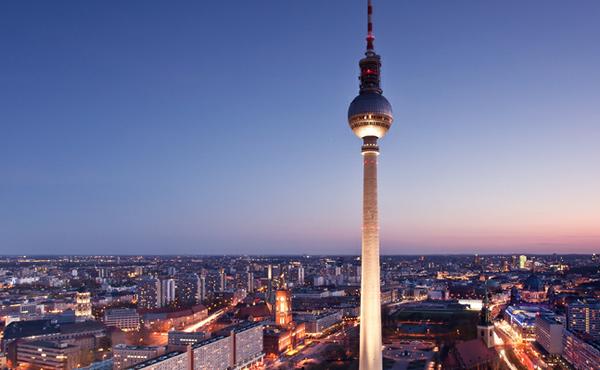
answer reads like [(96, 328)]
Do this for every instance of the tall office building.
[(215, 353), (370, 117), (222, 281), (250, 282), (202, 288), (579, 351), (300, 275), (583, 316), (549, 333), (148, 293), (270, 296), (167, 295), (247, 344), (83, 305), (522, 261), (187, 289)]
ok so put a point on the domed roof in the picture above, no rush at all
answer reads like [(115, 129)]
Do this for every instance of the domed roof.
[(370, 103), (533, 284), (492, 283)]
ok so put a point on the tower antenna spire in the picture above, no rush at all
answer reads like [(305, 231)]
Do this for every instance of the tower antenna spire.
[(370, 37)]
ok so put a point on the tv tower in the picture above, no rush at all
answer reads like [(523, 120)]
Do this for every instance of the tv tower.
[(370, 117)]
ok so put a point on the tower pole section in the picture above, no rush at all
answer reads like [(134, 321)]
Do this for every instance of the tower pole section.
[(370, 306)]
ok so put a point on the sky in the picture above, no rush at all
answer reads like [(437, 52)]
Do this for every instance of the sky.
[(197, 127)]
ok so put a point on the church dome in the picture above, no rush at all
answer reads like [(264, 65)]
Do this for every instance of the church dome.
[(533, 284)]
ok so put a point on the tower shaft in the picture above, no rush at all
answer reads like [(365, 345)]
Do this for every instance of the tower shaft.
[(370, 306)]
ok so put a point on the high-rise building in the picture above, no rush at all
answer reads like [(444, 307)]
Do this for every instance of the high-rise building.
[(522, 261), (83, 305), (215, 353), (247, 343), (148, 293), (270, 296), (549, 333), (283, 308), (250, 277), (202, 288), (222, 280), (370, 117), (300, 275), (167, 295), (187, 289), (583, 316), (580, 352)]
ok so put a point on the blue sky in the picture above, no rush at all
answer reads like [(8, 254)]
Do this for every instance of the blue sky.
[(220, 127)]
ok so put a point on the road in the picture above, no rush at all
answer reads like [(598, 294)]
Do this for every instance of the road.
[(212, 317), (311, 353), (527, 355)]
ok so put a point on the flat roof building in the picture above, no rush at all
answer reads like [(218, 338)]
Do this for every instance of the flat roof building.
[(213, 354), (176, 360), (127, 356), (48, 355), (123, 318), (549, 333), (580, 352), (182, 338), (583, 316)]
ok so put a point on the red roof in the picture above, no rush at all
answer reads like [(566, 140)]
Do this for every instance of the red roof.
[(474, 352)]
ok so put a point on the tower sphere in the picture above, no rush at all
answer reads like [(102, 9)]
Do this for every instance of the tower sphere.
[(370, 114)]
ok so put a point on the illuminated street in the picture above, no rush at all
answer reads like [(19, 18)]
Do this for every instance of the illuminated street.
[(212, 317)]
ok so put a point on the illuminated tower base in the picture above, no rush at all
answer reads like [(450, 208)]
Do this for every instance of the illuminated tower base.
[(370, 306)]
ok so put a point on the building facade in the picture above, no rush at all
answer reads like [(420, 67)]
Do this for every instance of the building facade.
[(582, 354), (317, 324), (123, 318), (213, 354), (148, 292), (187, 290), (583, 316), (248, 344), (125, 356), (549, 333), (283, 308), (182, 338), (176, 360), (167, 294), (54, 355), (83, 305)]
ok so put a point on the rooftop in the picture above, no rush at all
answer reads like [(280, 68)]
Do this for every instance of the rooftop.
[(156, 360)]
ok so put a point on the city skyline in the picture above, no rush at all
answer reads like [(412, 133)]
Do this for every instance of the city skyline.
[(176, 129)]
